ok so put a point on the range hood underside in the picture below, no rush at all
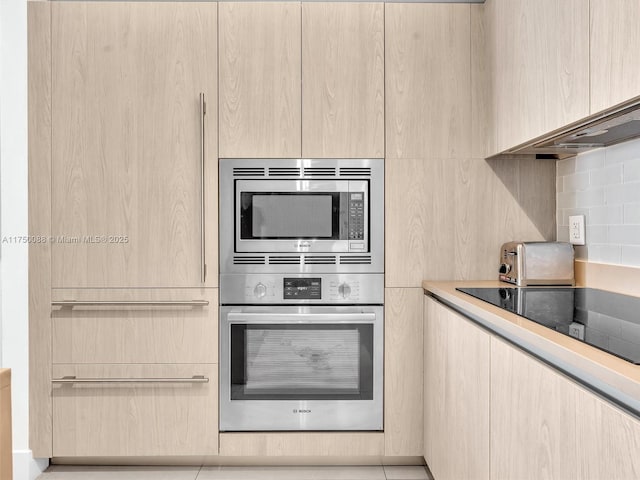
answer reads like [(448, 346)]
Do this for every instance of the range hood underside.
[(615, 125)]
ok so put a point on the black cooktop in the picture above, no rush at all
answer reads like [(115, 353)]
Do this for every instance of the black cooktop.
[(608, 321)]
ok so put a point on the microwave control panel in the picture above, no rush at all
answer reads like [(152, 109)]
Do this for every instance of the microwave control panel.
[(356, 216)]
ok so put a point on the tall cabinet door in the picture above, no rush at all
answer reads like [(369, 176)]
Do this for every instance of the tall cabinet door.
[(342, 79), (614, 63), (134, 156), (532, 418), (260, 79), (456, 395), (540, 67)]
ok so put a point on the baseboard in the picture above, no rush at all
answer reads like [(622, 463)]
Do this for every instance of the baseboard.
[(27, 467), (238, 461)]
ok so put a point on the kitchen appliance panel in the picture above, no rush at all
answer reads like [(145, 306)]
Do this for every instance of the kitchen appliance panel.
[(301, 215), (325, 367), (344, 288)]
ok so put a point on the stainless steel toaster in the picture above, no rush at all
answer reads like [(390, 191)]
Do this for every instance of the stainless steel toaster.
[(537, 263)]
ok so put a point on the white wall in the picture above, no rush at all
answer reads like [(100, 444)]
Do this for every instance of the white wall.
[(603, 185), (14, 325)]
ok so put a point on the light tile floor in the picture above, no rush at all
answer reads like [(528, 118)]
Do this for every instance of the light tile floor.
[(60, 472)]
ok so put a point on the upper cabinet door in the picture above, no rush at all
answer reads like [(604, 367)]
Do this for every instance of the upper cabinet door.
[(342, 80), (260, 83), (428, 81), (615, 52), (541, 66), (133, 155)]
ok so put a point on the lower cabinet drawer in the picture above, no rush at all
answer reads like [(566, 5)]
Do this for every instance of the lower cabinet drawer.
[(135, 410), (104, 326)]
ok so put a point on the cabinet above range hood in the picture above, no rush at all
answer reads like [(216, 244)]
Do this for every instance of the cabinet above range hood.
[(608, 127)]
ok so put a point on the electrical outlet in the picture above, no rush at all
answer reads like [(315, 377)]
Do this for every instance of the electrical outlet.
[(576, 229), (576, 330)]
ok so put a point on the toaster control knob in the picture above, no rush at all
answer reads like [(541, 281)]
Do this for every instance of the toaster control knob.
[(344, 290), (504, 269), (260, 290)]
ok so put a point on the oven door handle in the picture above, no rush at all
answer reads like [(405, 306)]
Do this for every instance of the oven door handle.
[(236, 317)]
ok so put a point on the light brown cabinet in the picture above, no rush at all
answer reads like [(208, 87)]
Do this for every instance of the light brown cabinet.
[(260, 79), (123, 185), (403, 402), (533, 422), (543, 421), (135, 410), (305, 444), (302, 80), (342, 80), (609, 440), (540, 66), (456, 393), (6, 444), (169, 326), (128, 186), (427, 119), (493, 411), (428, 82), (614, 52)]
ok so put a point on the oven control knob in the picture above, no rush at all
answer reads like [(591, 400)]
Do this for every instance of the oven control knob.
[(260, 290), (504, 269), (344, 290)]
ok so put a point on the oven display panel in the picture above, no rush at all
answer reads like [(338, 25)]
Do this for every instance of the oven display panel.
[(302, 288)]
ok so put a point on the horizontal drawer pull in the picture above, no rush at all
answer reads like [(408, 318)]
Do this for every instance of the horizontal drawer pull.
[(194, 379), (130, 303)]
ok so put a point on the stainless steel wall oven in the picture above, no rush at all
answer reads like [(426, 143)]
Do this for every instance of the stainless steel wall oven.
[(302, 293), (301, 368)]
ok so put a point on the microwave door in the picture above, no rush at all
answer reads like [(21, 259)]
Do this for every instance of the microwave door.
[(292, 216)]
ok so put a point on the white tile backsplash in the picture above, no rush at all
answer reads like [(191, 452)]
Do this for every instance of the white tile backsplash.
[(624, 234), (611, 175), (566, 213), (631, 214), (590, 198), (563, 233), (576, 182), (632, 170), (565, 200), (565, 167), (597, 233), (591, 160), (605, 215), (631, 255), (621, 153), (604, 253), (621, 194), (603, 185)]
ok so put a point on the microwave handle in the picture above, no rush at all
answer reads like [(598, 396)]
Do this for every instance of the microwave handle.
[(236, 317)]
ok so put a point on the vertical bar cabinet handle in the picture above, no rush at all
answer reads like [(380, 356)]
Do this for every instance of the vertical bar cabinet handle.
[(203, 266)]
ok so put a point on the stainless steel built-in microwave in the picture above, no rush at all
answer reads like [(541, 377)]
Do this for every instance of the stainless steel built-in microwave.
[(305, 213)]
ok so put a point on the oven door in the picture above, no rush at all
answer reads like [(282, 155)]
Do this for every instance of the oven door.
[(301, 368), (301, 216)]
